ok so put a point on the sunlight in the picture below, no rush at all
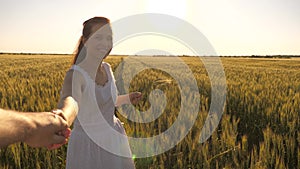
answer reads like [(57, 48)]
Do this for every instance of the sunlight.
[(175, 8)]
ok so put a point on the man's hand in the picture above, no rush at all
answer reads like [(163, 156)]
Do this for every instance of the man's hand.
[(66, 133), (46, 129)]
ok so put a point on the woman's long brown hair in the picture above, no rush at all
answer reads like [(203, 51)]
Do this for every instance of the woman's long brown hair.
[(86, 33)]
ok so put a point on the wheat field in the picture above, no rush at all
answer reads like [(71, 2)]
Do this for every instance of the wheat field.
[(259, 127)]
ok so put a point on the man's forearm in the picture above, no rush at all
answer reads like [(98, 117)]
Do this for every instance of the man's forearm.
[(14, 127)]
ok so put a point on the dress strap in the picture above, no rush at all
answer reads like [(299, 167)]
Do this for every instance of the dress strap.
[(83, 72)]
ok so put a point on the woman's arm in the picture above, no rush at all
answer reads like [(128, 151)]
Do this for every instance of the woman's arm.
[(131, 98), (71, 95), (68, 109)]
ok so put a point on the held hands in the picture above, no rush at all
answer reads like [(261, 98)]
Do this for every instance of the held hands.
[(135, 97), (48, 129), (45, 128), (68, 112), (65, 133)]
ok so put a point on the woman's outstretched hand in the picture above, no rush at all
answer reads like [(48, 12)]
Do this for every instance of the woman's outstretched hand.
[(66, 133), (135, 97)]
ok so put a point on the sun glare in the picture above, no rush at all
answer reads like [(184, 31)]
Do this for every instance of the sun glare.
[(175, 8)]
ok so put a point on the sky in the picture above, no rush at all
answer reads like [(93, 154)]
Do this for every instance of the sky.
[(233, 27)]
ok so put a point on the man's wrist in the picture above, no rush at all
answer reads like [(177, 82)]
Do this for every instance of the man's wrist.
[(27, 125)]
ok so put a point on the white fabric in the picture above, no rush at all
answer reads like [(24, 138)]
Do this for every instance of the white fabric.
[(97, 135)]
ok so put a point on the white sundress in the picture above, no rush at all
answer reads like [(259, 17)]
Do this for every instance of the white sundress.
[(97, 136)]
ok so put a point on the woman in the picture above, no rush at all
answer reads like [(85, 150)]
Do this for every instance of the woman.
[(98, 139)]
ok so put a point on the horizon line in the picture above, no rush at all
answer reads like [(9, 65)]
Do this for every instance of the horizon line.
[(37, 53)]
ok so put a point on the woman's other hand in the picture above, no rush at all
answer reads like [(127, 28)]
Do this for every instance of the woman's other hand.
[(135, 97)]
